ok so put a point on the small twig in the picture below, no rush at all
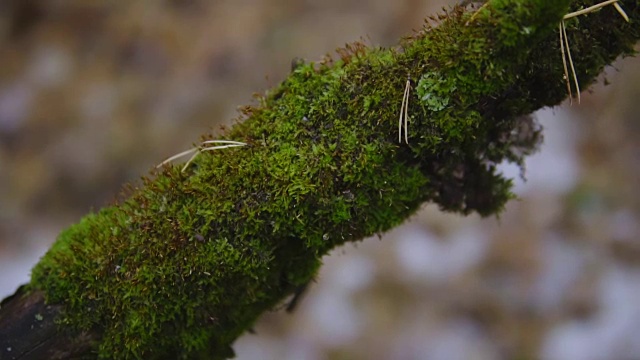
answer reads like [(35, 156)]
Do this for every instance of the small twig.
[(404, 113), (564, 60), (564, 41), (177, 156), (568, 52), (197, 150), (621, 11), (593, 8)]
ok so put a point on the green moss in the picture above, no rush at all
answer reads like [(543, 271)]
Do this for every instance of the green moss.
[(188, 262)]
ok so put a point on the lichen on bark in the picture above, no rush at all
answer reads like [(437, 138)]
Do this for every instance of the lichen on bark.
[(191, 258)]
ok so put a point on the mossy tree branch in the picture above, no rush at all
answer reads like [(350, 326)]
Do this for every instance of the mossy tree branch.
[(189, 261)]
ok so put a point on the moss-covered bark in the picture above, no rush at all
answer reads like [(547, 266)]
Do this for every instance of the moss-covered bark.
[(189, 261)]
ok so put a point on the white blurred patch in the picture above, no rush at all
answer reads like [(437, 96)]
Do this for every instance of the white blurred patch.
[(334, 320), (352, 274), (299, 347), (612, 332), (423, 255), (16, 268), (456, 340), (554, 169), (561, 266), (259, 346)]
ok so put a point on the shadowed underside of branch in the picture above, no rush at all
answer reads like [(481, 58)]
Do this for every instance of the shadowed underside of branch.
[(189, 260)]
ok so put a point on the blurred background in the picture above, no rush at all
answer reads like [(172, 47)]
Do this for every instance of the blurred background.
[(95, 93)]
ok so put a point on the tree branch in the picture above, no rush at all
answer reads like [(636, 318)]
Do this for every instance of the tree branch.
[(187, 262)]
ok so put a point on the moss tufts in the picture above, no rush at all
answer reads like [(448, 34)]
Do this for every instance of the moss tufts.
[(188, 262)]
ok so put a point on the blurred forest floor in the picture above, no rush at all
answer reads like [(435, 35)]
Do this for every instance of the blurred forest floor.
[(95, 93)]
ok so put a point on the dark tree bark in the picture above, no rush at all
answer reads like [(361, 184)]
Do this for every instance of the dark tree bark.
[(28, 330)]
